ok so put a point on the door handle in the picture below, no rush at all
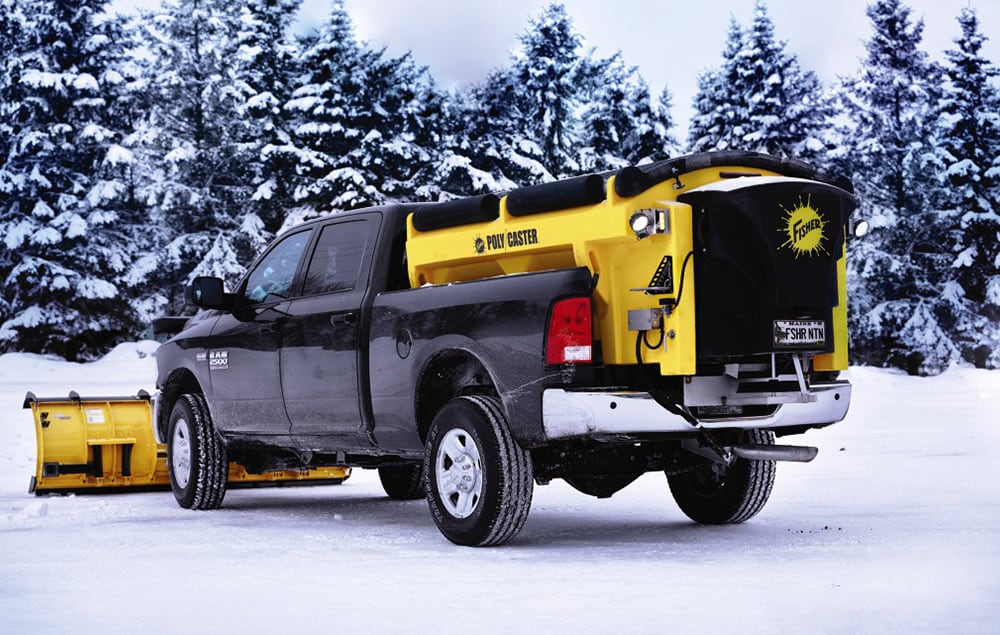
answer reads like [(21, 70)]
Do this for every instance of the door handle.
[(274, 326), (343, 318)]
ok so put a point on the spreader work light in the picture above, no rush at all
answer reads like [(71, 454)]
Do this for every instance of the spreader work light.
[(645, 222)]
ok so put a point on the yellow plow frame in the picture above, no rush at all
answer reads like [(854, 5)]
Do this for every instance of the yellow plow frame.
[(93, 443)]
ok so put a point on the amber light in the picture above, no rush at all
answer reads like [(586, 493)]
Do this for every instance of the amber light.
[(570, 339)]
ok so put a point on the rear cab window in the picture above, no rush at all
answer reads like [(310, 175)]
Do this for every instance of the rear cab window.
[(338, 259)]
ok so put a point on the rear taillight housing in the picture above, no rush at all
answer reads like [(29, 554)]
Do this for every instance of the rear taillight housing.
[(570, 338)]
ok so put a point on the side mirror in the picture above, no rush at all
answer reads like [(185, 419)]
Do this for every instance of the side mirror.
[(207, 293)]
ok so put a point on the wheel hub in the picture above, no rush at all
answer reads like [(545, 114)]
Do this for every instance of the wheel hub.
[(466, 476), (180, 453), (458, 473)]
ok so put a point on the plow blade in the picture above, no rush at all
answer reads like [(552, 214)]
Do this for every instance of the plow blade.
[(91, 444)]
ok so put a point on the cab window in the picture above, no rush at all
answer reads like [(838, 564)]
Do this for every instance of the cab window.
[(272, 278), (336, 262)]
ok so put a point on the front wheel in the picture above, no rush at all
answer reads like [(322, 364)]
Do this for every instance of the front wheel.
[(196, 458), (716, 495), (480, 480)]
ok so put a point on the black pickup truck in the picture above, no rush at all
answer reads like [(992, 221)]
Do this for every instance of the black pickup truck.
[(467, 393)]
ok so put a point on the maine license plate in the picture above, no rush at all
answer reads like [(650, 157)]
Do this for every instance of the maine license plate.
[(799, 333)]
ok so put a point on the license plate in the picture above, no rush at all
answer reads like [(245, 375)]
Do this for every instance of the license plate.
[(799, 333)]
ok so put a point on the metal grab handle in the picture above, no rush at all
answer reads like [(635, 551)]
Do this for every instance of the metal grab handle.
[(343, 318)]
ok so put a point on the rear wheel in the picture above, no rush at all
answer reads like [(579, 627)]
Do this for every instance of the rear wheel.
[(196, 458), (717, 495), (402, 482), (480, 480)]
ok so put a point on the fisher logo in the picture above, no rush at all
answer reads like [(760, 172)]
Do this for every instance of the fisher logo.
[(804, 228), (218, 360), (503, 241)]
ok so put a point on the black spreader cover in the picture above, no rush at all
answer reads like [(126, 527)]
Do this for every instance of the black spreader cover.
[(747, 270)]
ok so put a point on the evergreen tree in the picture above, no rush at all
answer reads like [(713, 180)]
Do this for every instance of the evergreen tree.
[(198, 181), (554, 112), (265, 66), (969, 161), (425, 117), (67, 215), (363, 122), (521, 125), (720, 118), (549, 70), (405, 128), (621, 124), (787, 111), (760, 99), (473, 145), (502, 153), (663, 122), (324, 102), (608, 119), (14, 24), (896, 268)]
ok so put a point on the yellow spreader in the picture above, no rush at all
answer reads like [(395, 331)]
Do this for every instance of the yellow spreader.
[(107, 443)]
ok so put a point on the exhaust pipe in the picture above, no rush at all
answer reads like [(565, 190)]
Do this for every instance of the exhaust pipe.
[(796, 453)]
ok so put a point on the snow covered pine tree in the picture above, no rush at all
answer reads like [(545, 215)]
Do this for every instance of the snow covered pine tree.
[(358, 131), (198, 180), (621, 124), (760, 99), (896, 271), (720, 118), (787, 109), (555, 111), (968, 157), (266, 63), (68, 215)]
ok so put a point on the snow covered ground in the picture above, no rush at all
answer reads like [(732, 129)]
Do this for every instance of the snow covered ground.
[(895, 527)]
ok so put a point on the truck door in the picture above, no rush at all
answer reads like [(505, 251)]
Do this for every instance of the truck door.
[(323, 336), (244, 361)]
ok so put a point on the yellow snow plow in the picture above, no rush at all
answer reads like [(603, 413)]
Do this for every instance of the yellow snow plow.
[(107, 443)]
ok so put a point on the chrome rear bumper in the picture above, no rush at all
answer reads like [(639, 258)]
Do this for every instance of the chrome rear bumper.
[(568, 414)]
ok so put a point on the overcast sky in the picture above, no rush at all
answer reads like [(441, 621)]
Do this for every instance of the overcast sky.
[(670, 41)]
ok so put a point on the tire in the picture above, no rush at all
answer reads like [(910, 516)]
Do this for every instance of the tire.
[(479, 480), (403, 482), (734, 496), (196, 458)]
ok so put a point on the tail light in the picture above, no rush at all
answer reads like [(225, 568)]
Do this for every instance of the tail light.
[(570, 339)]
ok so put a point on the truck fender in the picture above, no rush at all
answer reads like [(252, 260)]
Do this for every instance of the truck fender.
[(181, 381), (447, 374)]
